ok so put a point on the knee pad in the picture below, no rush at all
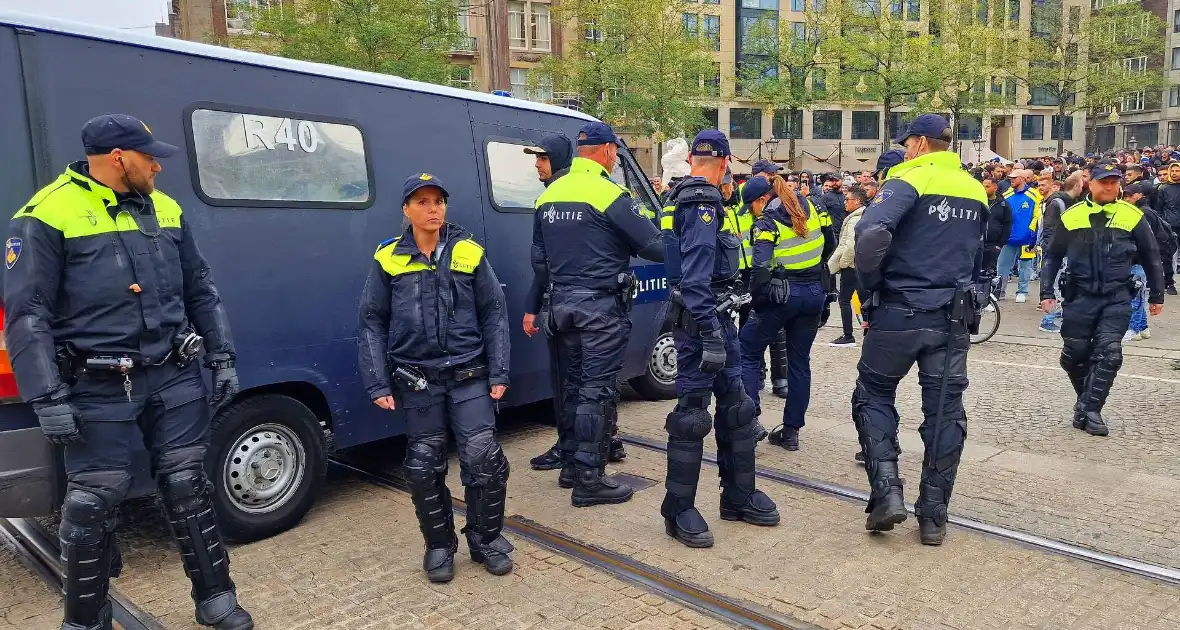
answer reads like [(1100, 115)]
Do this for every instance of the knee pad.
[(184, 491), (1110, 356), (697, 399), (690, 425), (736, 410), (484, 459), (425, 459), (1074, 353), (86, 517)]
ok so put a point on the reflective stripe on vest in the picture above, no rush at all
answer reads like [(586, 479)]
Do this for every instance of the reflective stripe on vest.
[(734, 224), (1120, 215), (799, 252), (666, 214)]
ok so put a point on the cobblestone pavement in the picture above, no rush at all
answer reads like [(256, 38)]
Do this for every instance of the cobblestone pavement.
[(26, 603), (820, 566), (356, 562), (1024, 466)]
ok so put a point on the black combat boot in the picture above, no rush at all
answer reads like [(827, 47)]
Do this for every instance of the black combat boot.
[(931, 512), (886, 502), (568, 478), (756, 508), (439, 563), (593, 488), (791, 438), (1094, 424), (1079, 416), (760, 432), (549, 460), (493, 556), (617, 452), (103, 623), (683, 522)]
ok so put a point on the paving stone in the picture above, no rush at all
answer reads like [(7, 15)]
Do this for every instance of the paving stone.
[(26, 602)]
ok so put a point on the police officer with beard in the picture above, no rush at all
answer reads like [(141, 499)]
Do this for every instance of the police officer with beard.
[(107, 300), (702, 265), (586, 229), (916, 252), (433, 340), (1102, 236)]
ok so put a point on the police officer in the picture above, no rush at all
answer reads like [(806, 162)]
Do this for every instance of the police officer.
[(586, 229), (433, 340), (916, 251), (107, 300), (1102, 236), (702, 265), (787, 286)]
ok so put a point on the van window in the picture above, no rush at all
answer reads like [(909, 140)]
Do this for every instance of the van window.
[(250, 159), (513, 173), (628, 174)]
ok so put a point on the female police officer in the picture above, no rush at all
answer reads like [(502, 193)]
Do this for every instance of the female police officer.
[(790, 245), (433, 319)]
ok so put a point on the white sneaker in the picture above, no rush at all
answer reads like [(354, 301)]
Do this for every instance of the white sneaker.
[(1146, 334), (989, 309), (1021, 298), (1128, 336), (1137, 337)]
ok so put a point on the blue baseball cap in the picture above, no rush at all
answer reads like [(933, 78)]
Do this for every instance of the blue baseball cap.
[(765, 166), (596, 133), (103, 134), (755, 188), (422, 180), (728, 179), (889, 159), (1104, 170), (926, 125), (710, 143)]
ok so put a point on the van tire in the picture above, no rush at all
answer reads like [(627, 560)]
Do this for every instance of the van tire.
[(284, 454), (658, 381)]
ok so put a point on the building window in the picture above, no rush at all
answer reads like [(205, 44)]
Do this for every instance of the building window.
[(712, 24), (239, 14), (787, 124), (896, 123), (819, 83), (766, 5), (827, 124), (1176, 58), (1174, 96), (1075, 19), (710, 116), (539, 30), (1145, 134), (969, 127), (798, 5), (713, 83), (690, 24), (710, 1), (1066, 124), (1010, 91), (1042, 95), (745, 123), (1139, 64), (1032, 127), (518, 79), (1175, 29), (516, 30), (799, 31), (1133, 102), (866, 125), (1174, 132), (1013, 12), (463, 77), (246, 159), (1045, 18), (897, 9)]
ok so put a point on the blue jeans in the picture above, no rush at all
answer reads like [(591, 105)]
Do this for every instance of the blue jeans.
[(1008, 255), (1138, 304), (800, 317), (1053, 320)]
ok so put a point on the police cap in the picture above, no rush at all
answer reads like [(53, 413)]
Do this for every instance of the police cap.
[(596, 133), (1103, 170), (103, 134), (765, 166), (928, 126), (422, 180), (710, 143), (889, 159), (755, 188)]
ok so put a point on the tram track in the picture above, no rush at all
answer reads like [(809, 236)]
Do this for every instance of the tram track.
[(38, 550), (733, 611), (1122, 564)]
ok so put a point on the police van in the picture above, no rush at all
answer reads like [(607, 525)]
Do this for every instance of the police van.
[(290, 176)]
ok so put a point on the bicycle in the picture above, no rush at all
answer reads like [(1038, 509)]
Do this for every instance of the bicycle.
[(989, 320)]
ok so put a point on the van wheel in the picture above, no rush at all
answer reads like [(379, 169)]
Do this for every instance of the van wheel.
[(658, 382), (267, 458)]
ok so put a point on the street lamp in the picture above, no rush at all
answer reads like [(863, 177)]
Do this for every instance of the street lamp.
[(978, 141), (1132, 143), (771, 147)]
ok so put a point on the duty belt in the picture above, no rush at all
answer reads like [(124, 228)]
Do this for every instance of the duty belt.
[(416, 377)]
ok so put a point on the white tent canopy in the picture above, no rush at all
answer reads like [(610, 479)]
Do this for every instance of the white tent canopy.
[(968, 154)]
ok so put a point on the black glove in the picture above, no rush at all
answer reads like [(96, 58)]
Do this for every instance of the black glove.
[(225, 385), (712, 351), (59, 421)]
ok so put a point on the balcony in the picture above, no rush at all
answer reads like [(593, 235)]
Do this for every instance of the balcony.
[(467, 46)]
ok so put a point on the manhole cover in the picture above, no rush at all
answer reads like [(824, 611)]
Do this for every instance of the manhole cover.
[(638, 483)]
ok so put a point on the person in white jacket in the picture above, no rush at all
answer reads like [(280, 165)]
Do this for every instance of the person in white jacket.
[(841, 261)]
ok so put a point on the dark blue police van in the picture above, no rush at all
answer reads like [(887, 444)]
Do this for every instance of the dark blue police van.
[(290, 179)]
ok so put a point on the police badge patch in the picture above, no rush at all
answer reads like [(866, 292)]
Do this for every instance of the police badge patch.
[(754, 232), (706, 213), (881, 197), (12, 249)]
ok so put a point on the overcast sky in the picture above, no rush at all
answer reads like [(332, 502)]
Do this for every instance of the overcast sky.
[(133, 15)]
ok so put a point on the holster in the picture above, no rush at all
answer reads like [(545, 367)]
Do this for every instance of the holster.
[(69, 363), (628, 285), (1069, 289), (779, 288), (965, 308), (678, 315)]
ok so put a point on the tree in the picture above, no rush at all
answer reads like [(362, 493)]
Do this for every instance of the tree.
[(639, 65), (781, 71), (877, 51), (1078, 60), (407, 38)]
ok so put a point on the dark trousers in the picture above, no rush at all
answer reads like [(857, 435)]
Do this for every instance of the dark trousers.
[(897, 339), (847, 288), (800, 318), (465, 410), (591, 330), (1092, 328)]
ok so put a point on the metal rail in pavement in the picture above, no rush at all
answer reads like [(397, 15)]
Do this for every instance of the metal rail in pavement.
[(1156, 572), (38, 550), (740, 613)]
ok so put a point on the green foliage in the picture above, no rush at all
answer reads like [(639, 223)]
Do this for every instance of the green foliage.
[(635, 65), (407, 38)]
